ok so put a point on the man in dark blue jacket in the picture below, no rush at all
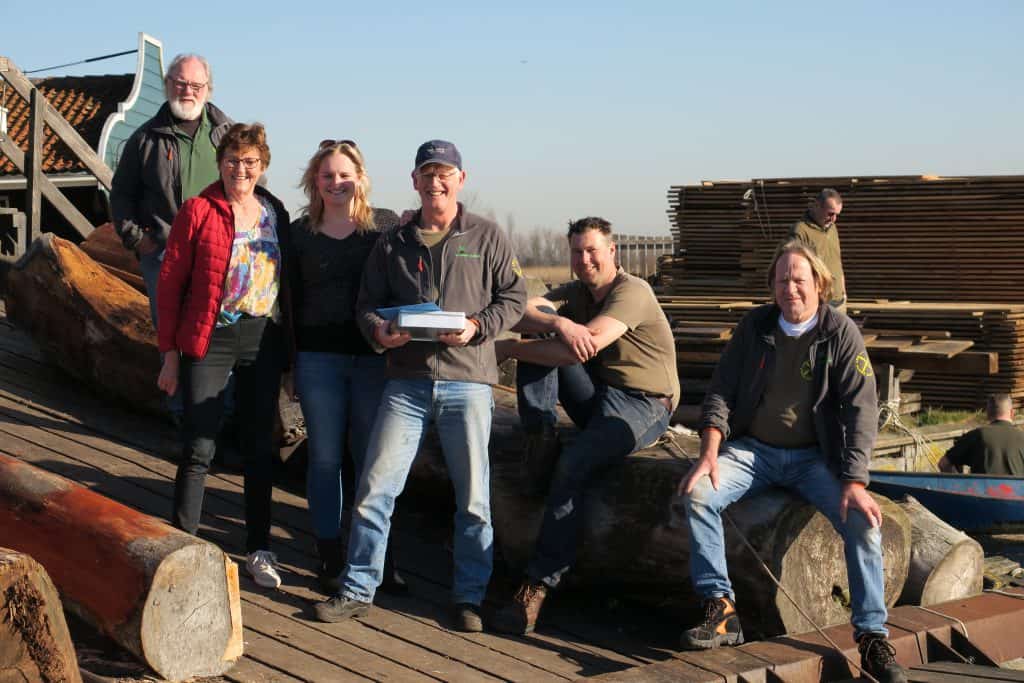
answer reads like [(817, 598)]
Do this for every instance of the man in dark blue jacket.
[(792, 403)]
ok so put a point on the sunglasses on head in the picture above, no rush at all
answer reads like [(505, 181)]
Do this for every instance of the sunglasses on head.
[(324, 144)]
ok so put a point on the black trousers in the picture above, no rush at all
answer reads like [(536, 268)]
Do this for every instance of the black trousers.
[(253, 349)]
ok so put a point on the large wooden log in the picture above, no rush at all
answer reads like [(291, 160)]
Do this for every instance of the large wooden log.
[(35, 646), (166, 596), (93, 325), (105, 247), (631, 542), (945, 563)]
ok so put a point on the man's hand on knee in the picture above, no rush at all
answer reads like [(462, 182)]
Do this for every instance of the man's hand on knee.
[(710, 439), (856, 497), (706, 465)]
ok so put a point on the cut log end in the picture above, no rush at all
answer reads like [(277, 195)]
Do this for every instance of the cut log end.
[(189, 594), (34, 640)]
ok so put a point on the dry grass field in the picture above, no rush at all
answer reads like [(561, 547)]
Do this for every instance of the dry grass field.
[(552, 275)]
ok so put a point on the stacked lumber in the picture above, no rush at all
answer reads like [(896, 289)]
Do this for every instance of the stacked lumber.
[(922, 238), (997, 328), (959, 352)]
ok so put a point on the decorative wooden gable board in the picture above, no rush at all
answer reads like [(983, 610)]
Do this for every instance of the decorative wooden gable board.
[(146, 97)]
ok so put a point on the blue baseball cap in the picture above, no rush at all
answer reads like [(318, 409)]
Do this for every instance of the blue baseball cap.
[(438, 152)]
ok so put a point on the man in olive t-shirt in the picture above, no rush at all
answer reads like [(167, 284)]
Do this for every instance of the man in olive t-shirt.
[(817, 229), (610, 359), (996, 448)]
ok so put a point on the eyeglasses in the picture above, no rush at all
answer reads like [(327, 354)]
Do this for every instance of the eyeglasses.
[(186, 85), (324, 144), (442, 176), (249, 162)]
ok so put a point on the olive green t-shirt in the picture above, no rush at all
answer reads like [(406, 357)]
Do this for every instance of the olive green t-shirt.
[(996, 448), (434, 241), (644, 357), (197, 159), (783, 417)]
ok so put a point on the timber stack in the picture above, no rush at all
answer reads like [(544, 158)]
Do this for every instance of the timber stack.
[(921, 254)]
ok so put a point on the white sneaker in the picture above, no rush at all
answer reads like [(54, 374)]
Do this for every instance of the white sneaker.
[(261, 567)]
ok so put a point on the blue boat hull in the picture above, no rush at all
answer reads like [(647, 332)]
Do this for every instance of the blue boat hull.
[(971, 502)]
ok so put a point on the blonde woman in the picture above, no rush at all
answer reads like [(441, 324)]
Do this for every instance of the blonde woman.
[(338, 377)]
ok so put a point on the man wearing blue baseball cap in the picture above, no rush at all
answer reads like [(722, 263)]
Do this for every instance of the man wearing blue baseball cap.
[(463, 263)]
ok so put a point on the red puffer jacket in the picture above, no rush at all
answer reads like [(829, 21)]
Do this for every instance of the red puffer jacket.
[(195, 266)]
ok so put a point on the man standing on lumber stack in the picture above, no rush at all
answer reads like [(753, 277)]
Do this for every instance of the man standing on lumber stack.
[(996, 448), (818, 230), (610, 359), (463, 263), (168, 159), (792, 403)]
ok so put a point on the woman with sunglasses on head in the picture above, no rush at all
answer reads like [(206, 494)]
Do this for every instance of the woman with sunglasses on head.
[(338, 377), (223, 308)]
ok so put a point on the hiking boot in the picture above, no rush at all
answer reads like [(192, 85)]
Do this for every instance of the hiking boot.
[(520, 615), (466, 618), (540, 455), (878, 658), (261, 566), (721, 626), (328, 569), (340, 608)]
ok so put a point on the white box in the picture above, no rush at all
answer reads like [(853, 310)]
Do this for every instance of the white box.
[(426, 326)]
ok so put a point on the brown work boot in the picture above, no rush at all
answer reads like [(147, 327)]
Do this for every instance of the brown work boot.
[(878, 658), (520, 615), (540, 455), (721, 626)]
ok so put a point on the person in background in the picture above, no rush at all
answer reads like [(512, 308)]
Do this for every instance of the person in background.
[(166, 161), (339, 378), (996, 448), (817, 229), (223, 305)]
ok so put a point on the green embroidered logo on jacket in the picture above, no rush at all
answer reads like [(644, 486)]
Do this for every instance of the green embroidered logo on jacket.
[(461, 251)]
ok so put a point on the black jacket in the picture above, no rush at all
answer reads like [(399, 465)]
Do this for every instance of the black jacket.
[(845, 409), (145, 194)]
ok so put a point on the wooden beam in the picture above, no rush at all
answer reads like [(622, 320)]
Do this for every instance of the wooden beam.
[(966, 363), (52, 193), (34, 168), (23, 86)]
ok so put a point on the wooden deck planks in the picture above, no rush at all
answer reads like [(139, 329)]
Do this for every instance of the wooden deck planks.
[(48, 419)]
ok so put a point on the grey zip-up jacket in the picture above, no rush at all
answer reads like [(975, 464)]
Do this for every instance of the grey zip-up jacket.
[(845, 408), (479, 277), (145, 194)]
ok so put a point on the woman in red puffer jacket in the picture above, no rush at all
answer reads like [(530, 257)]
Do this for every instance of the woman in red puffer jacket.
[(223, 309)]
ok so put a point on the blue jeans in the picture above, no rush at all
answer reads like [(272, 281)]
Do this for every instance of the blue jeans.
[(339, 395), (613, 423), (747, 466), (462, 413), (150, 265)]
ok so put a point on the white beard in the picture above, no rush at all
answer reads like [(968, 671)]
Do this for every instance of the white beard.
[(184, 111)]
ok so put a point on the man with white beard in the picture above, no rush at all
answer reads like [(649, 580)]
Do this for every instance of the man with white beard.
[(170, 158)]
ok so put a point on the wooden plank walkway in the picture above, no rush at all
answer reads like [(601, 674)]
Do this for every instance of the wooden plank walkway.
[(58, 424)]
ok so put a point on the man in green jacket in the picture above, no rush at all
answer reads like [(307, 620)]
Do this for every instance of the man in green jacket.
[(996, 448), (463, 263), (817, 229)]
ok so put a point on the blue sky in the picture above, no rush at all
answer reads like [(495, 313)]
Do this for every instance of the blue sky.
[(570, 109)]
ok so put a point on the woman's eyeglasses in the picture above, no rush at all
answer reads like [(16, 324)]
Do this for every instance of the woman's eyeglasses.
[(324, 144)]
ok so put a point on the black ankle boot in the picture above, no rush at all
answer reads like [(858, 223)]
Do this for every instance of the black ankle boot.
[(331, 563), (392, 583)]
